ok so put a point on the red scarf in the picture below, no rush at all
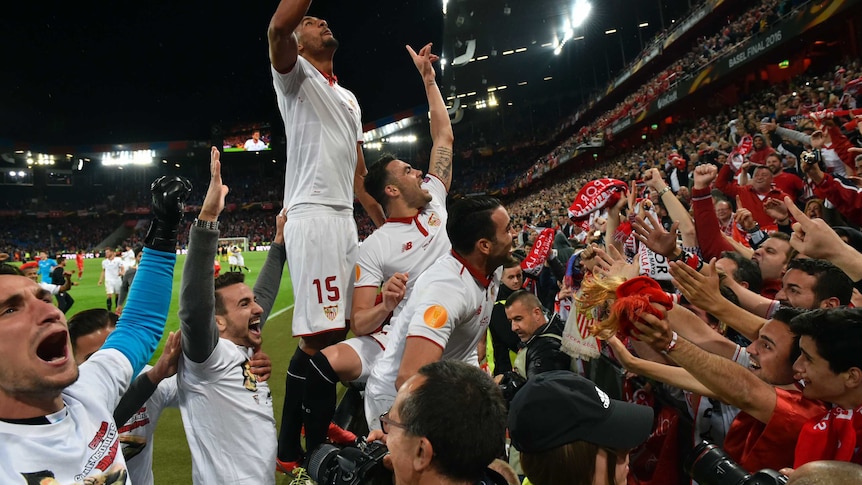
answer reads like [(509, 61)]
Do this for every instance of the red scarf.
[(539, 254), (836, 436)]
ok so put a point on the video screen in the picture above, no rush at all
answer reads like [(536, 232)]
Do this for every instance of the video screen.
[(250, 137)]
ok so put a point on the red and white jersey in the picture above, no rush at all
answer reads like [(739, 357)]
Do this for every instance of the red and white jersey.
[(451, 306), (408, 245), (323, 125), (80, 443), (225, 409)]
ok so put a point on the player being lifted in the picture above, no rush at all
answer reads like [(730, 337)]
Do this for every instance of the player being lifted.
[(325, 166)]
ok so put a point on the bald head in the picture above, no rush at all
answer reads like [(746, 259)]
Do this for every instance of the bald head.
[(827, 473)]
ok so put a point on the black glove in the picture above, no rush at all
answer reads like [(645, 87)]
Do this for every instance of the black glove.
[(169, 194)]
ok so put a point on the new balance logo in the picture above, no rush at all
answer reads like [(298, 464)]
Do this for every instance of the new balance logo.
[(407, 246)]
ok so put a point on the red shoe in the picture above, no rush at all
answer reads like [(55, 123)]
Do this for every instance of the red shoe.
[(287, 467), (339, 435)]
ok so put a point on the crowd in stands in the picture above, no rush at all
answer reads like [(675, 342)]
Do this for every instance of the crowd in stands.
[(722, 261), (704, 51)]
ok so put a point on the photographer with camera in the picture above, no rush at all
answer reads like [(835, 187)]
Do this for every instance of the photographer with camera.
[(540, 338), (447, 425)]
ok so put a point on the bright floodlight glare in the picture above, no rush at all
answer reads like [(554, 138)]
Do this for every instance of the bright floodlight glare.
[(444, 6), (580, 12)]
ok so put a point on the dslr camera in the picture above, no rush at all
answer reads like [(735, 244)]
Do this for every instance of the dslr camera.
[(352, 465), (710, 465)]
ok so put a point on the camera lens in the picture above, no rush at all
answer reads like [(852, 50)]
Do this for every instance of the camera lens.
[(710, 465)]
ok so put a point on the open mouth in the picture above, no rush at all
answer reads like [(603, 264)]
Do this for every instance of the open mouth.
[(754, 365), (53, 348), (254, 327)]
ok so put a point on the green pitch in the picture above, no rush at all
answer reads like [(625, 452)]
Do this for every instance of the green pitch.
[(171, 457)]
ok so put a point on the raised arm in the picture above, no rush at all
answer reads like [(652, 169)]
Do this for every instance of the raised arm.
[(143, 321), (675, 209), (441, 126), (729, 381), (268, 282), (146, 383), (197, 294), (372, 208), (282, 43), (702, 290), (675, 376)]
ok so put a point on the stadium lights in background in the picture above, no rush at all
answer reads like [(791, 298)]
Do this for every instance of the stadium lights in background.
[(40, 159), (580, 12), (125, 158)]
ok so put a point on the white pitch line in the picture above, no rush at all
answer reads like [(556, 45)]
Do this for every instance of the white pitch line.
[(280, 312)]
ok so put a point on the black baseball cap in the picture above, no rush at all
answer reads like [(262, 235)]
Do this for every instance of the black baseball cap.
[(559, 407)]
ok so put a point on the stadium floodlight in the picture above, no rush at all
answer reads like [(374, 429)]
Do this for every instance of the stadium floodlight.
[(610, 31), (643, 24), (126, 157), (444, 6), (401, 139), (580, 12)]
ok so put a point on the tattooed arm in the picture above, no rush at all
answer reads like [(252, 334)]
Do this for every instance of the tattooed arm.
[(441, 126)]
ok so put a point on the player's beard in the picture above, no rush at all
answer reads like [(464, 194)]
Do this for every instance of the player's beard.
[(29, 387), (331, 42)]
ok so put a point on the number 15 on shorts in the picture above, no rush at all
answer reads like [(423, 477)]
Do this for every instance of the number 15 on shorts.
[(331, 288)]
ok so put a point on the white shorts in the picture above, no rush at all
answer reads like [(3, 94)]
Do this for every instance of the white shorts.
[(374, 408), (322, 249), (231, 260), (369, 349), (112, 287)]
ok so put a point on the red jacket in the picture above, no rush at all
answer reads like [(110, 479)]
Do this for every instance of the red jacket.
[(847, 198), (790, 184), (751, 200)]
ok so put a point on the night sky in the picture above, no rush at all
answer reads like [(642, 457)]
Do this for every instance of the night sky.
[(93, 72), (114, 72)]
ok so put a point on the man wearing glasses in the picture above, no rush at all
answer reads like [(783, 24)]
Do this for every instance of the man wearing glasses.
[(435, 435)]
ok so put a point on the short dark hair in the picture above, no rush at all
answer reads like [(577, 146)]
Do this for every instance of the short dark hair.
[(831, 281), (461, 411), (511, 263), (786, 315), (525, 297), (8, 269), (746, 270), (377, 179), (224, 280), (837, 333), (88, 321), (469, 221), (792, 253)]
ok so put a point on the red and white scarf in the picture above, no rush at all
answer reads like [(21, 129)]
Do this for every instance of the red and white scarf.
[(835, 436)]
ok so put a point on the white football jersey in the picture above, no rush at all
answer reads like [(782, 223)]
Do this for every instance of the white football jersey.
[(451, 306), (112, 268), (408, 245), (323, 126), (227, 411), (81, 441)]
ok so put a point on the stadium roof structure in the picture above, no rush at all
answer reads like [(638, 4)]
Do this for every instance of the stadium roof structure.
[(517, 46), (77, 75)]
